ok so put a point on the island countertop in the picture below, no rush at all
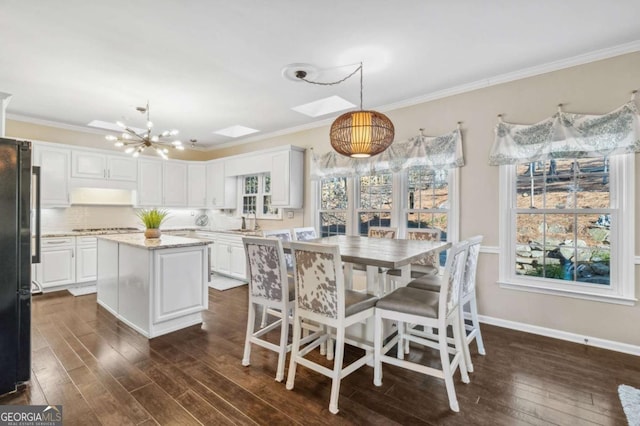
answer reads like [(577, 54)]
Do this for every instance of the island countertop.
[(164, 242)]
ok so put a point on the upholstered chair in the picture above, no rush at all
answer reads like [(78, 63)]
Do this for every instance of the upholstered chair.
[(304, 234), (427, 265), (433, 311), (322, 298)]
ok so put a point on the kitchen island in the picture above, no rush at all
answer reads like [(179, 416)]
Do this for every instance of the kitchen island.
[(155, 286)]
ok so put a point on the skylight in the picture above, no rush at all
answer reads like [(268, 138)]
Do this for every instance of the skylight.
[(324, 106), (236, 131)]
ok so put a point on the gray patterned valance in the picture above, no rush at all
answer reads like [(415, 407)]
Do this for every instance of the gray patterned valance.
[(568, 135), (440, 152)]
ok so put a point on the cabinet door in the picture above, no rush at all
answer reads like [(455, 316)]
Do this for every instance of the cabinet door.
[(122, 168), (221, 191), (175, 184), (149, 183), (57, 267), (221, 258), (54, 173), (238, 262), (197, 187), (88, 165), (86, 263), (280, 179)]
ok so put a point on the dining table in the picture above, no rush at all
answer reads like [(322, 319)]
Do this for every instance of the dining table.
[(376, 253)]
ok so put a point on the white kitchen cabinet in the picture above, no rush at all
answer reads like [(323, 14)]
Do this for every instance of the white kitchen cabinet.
[(95, 165), (221, 190), (228, 256), (174, 184), (287, 180), (58, 262), (86, 259), (54, 174), (197, 186), (149, 193)]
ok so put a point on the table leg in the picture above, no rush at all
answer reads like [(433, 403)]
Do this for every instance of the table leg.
[(348, 275)]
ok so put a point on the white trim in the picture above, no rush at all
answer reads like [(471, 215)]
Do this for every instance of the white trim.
[(560, 64), (562, 335), (636, 260), (490, 249), (596, 297)]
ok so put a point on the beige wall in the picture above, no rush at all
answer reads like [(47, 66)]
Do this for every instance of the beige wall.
[(595, 88)]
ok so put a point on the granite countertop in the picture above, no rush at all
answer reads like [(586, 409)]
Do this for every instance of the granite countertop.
[(165, 241), (58, 234)]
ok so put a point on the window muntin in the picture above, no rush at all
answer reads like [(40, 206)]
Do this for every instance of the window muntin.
[(375, 201), (333, 206), (563, 221), (428, 199)]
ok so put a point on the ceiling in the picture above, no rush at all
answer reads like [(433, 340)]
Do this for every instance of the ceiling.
[(207, 65)]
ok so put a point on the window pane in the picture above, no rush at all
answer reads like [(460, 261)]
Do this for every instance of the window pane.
[(427, 189), (266, 206), (429, 220), (333, 194), (529, 193), (251, 184), (573, 247), (592, 183), (333, 223), (267, 183), (375, 191), (368, 219), (249, 204)]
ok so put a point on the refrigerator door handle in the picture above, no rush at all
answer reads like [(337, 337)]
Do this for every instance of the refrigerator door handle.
[(36, 173)]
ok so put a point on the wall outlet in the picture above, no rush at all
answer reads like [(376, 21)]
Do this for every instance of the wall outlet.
[(289, 215)]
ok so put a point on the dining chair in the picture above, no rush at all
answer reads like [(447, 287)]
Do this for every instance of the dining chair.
[(427, 265), (282, 235), (430, 310), (467, 297), (321, 297), (304, 234), (270, 288), (378, 232)]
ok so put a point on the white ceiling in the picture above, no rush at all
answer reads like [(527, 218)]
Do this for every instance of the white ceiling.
[(207, 65)]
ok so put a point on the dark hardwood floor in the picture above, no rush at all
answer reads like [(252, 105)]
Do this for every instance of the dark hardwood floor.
[(102, 372)]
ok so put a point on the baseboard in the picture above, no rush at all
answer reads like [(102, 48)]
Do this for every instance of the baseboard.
[(562, 335)]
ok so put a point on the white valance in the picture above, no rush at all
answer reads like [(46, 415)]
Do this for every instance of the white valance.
[(440, 152), (568, 135)]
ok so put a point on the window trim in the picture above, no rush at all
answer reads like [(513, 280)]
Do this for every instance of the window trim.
[(622, 288)]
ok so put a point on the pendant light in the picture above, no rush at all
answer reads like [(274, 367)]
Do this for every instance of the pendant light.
[(358, 134)]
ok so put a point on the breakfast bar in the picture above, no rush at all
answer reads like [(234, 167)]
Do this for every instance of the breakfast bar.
[(154, 285)]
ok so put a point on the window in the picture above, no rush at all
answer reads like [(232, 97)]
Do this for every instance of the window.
[(256, 196), (333, 206), (376, 201), (350, 205), (565, 224)]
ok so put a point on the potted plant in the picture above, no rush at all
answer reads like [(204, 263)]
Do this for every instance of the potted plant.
[(152, 219)]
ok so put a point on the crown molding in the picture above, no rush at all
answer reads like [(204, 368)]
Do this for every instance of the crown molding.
[(56, 124), (572, 61)]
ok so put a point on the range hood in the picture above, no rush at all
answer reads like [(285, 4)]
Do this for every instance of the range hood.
[(102, 197)]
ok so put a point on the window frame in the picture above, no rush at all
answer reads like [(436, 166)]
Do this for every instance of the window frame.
[(622, 200), (260, 195)]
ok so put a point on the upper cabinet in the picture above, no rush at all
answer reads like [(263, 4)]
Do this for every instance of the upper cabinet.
[(149, 183), (221, 190), (93, 165), (197, 185), (174, 184), (287, 180), (54, 173)]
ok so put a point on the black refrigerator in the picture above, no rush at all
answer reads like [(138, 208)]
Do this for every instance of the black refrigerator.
[(19, 248)]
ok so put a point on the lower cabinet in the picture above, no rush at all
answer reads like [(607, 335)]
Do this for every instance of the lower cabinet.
[(67, 260), (57, 262), (227, 256)]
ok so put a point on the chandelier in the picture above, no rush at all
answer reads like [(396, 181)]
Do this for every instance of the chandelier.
[(357, 134), (135, 142)]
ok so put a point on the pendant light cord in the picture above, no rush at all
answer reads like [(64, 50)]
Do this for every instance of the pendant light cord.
[(302, 76)]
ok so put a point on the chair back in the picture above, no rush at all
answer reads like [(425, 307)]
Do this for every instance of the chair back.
[(266, 268), (453, 277), (469, 282), (431, 234), (382, 232), (304, 234), (282, 235), (318, 279)]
